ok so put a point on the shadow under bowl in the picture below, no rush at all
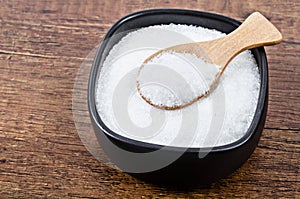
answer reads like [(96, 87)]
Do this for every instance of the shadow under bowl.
[(133, 156)]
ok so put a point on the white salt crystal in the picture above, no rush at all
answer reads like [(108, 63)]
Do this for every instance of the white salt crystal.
[(221, 118), (186, 75)]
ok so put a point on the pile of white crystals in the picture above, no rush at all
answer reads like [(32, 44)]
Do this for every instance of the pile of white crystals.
[(221, 118), (184, 77)]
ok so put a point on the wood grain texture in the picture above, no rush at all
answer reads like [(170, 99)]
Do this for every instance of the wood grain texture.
[(42, 46)]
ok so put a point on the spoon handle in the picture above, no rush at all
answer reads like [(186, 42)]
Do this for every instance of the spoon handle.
[(255, 31)]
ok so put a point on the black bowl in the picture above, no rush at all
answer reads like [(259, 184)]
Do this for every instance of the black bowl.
[(219, 161)]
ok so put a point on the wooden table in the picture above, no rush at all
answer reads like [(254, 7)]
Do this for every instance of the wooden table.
[(42, 45)]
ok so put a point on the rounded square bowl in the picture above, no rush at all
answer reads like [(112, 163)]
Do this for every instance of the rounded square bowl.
[(191, 166)]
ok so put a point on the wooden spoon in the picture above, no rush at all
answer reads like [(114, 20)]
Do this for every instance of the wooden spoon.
[(256, 31)]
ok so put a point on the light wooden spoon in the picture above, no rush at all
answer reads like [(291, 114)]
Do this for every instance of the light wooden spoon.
[(255, 31)]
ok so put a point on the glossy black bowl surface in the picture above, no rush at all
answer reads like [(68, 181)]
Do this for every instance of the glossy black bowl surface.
[(221, 160)]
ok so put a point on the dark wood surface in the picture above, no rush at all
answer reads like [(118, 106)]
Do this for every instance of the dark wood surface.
[(42, 45)]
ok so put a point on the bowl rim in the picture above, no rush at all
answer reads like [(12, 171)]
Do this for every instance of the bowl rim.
[(96, 119)]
